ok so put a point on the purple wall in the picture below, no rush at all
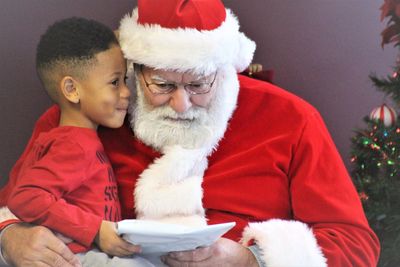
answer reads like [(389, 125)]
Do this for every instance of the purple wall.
[(322, 50)]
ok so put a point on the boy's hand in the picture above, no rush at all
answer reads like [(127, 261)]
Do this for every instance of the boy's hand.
[(111, 243)]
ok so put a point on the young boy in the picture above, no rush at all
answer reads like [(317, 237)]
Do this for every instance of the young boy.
[(67, 177)]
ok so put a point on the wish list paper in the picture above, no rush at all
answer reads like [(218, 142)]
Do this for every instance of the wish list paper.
[(161, 238)]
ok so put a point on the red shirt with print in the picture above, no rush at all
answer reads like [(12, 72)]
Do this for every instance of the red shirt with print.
[(67, 184)]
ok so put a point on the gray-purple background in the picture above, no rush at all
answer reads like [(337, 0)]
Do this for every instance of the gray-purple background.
[(321, 50)]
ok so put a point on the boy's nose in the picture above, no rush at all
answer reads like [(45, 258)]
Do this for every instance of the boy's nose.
[(124, 92)]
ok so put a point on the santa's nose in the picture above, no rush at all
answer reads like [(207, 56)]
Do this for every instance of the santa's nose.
[(180, 100)]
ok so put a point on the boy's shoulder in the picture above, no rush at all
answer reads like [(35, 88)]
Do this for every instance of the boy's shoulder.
[(71, 143), (48, 120)]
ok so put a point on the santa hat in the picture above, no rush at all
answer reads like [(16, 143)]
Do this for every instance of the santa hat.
[(196, 35)]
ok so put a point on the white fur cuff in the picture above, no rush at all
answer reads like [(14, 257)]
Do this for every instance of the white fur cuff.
[(6, 214), (285, 243)]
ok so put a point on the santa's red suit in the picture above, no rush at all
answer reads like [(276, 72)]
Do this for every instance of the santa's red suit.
[(276, 173)]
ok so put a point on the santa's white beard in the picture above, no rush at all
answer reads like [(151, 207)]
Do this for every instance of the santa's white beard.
[(177, 174), (198, 128)]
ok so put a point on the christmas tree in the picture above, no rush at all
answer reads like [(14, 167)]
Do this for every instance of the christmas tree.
[(376, 153)]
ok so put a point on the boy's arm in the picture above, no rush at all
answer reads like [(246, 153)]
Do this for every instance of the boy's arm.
[(46, 122), (43, 246), (44, 185)]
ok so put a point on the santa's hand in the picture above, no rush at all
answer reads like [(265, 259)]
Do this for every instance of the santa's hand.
[(27, 245), (224, 252), (63, 238), (254, 68)]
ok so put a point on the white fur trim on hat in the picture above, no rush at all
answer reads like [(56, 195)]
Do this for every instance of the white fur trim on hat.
[(285, 243), (184, 49)]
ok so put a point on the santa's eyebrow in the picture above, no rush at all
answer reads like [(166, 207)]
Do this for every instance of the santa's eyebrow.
[(162, 79), (158, 77)]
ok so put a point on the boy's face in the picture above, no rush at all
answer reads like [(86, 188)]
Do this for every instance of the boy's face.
[(104, 96)]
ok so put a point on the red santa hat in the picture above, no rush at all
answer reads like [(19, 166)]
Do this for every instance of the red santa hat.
[(196, 35)]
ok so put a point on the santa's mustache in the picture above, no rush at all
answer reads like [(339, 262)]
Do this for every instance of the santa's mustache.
[(167, 113)]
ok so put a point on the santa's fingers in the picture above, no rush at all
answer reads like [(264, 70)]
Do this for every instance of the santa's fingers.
[(255, 67), (197, 255), (27, 245)]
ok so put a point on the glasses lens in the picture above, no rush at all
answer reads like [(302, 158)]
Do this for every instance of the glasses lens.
[(195, 88), (162, 88), (198, 88)]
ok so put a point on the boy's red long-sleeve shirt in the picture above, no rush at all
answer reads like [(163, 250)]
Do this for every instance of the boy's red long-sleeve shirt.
[(67, 184)]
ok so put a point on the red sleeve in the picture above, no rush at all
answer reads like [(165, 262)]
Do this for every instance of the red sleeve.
[(46, 122), (321, 183), (38, 195)]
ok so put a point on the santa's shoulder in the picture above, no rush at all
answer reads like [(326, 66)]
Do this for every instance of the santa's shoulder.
[(260, 98)]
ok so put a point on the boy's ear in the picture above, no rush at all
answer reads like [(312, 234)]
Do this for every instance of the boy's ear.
[(69, 89)]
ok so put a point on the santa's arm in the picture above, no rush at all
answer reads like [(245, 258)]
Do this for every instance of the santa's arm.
[(284, 243), (329, 227)]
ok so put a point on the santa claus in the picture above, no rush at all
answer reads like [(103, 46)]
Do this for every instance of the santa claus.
[(186, 90)]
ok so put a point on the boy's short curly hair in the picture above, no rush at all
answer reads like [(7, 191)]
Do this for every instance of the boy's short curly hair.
[(69, 47)]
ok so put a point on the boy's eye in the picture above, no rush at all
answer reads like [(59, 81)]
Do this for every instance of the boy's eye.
[(125, 78), (115, 82)]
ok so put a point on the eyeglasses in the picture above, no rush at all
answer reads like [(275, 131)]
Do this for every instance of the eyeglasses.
[(163, 88)]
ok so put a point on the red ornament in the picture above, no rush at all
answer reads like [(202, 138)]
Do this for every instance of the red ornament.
[(385, 114)]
